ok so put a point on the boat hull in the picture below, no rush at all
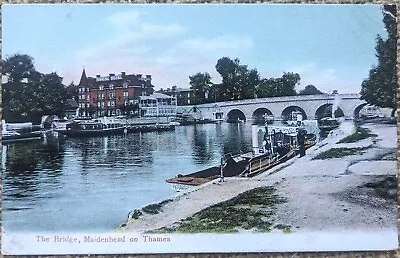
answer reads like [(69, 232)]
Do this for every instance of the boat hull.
[(88, 133), (21, 138)]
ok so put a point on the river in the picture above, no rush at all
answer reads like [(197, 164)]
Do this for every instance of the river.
[(90, 184)]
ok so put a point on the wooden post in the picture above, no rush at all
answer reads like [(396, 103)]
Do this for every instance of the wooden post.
[(222, 170)]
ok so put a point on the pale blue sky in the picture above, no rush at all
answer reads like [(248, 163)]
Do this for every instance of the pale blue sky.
[(330, 46)]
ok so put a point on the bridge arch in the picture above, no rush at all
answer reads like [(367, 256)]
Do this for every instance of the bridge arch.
[(287, 112), (236, 115), (260, 114), (356, 112), (326, 111)]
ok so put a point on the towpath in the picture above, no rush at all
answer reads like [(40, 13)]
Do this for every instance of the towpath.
[(322, 194)]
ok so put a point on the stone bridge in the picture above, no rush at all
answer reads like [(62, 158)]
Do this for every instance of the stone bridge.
[(311, 107)]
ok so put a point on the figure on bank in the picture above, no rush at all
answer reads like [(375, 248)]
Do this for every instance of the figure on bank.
[(301, 138)]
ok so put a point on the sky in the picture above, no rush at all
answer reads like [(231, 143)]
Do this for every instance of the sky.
[(330, 46)]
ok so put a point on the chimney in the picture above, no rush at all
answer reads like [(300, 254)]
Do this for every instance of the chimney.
[(98, 75), (123, 73), (139, 75), (111, 74)]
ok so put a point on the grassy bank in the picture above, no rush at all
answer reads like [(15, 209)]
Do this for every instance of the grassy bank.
[(251, 210), (340, 152), (359, 134)]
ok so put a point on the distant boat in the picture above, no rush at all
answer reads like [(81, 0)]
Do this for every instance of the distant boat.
[(92, 128), (234, 120), (13, 136), (327, 124), (295, 119)]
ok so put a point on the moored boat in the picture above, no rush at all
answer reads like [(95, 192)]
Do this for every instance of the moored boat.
[(13, 136), (279, 145), (92, 128)]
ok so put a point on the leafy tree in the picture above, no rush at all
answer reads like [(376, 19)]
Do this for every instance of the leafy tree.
[(310, 90), (72, 91), (277, 87), (238, 82), (380, 87), (29, 94), (200, 85)]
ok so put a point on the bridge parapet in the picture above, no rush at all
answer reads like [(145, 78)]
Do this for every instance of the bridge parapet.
[(288, 99)]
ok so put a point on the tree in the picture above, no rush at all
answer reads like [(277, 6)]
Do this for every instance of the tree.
[(29, 94), (72, 91), (310, 90), (238, 81), (200, 85), (277, 87), (380, 87)]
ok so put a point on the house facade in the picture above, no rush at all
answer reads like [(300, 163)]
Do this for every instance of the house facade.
[(112, 95), (157, 105), (183, 96)]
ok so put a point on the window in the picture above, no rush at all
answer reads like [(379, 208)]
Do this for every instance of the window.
[(111, 86), (125, 85), (112, 103), (102, 104), (87, 89), (88, 97), (126, 94), (102, 95), (108, 103), (101, 87)]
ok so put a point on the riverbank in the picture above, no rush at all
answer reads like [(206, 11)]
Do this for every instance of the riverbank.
[(348, 193)]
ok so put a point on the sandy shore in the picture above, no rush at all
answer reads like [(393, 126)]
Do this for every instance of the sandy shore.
[(322, 194)]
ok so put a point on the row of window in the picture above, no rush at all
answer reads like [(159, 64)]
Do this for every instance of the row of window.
[(102, 96), (109, 104), (111, 86)]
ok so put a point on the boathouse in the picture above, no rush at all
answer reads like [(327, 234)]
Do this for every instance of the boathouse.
[(158, 105)]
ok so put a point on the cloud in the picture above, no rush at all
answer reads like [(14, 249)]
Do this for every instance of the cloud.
[(220, 43), (124, 19), (167, 51), (326, 80)]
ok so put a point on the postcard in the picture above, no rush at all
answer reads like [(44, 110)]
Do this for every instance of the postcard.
[(198, 128)]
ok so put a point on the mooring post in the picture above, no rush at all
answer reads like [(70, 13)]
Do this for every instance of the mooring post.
[(222, 170), (254, 139)]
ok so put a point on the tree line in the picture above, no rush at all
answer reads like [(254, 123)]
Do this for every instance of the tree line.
[(241, 82), (28, 94), (380, 87)]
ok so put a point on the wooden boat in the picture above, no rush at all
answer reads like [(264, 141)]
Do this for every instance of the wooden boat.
[(284, 146), (92, 128), (13, 136)]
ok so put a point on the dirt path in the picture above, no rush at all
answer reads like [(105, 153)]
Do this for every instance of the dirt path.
[(321, 194)]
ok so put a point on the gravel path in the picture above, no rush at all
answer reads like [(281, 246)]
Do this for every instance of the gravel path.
[(322, 194)]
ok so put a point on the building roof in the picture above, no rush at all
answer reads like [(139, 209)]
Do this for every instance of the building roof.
[(156, 95), (118, 81), (83, 80)]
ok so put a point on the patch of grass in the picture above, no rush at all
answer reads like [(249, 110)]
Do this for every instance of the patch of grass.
[(385, 188), (156, 207), (249, 210), (359, 134), (340, 152)]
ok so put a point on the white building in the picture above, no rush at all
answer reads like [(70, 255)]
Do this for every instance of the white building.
[(157, 105)]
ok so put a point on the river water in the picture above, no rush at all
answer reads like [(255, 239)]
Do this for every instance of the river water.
[(90, 184)]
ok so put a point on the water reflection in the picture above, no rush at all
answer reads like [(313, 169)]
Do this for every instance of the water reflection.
[(79, 179)]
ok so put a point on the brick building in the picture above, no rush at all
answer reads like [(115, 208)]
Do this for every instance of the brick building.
[(112, 95)]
